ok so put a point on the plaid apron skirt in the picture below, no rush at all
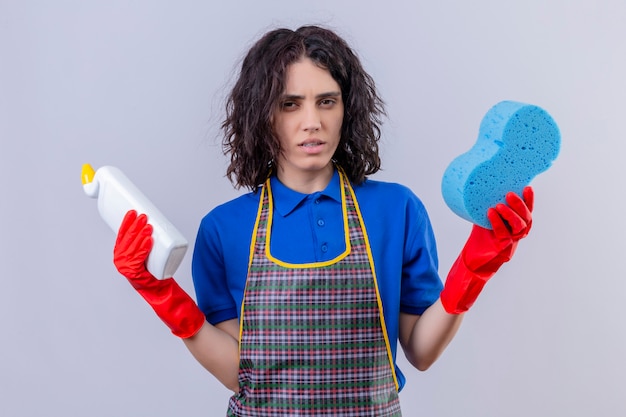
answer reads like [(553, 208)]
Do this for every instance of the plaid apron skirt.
[(312, 337)]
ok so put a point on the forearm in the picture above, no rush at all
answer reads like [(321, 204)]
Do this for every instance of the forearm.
[(424, 338), (218, 352)]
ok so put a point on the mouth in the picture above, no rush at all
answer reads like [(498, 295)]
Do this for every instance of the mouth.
[(311, 143), (312, 146)]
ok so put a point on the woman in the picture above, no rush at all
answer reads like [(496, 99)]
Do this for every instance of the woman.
[(306, 283)]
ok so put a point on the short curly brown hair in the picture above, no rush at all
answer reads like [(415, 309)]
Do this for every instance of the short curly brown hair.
[(249, 136)]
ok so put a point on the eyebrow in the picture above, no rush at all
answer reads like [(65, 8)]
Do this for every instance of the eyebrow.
[(321, 95)]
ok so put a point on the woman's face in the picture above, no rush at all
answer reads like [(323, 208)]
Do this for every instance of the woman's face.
[(307, 123)]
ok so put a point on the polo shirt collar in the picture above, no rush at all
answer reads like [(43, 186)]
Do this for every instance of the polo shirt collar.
[(286, 200)]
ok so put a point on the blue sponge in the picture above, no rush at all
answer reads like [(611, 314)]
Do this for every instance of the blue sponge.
[(516, 142)]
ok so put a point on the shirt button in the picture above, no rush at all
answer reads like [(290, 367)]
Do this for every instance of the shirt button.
[(324, 248), (317, 201), (320, 222)]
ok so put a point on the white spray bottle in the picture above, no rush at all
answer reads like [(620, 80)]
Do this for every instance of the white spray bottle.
[(116, 195)]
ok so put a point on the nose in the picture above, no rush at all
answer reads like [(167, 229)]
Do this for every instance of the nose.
[(312, 121)]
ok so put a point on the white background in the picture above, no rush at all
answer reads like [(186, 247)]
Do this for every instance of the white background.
[(140, 85)]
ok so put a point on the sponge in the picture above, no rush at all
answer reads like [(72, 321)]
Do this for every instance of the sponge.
[(516, 142)]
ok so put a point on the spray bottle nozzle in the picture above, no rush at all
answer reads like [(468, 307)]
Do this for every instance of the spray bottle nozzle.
[(87, 174), (90, 186)]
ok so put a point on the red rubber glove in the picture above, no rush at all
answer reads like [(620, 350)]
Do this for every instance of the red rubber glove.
[(486, 250), (170, 302)]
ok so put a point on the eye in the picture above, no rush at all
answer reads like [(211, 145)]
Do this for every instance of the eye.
[(327, 102), (288, 105)]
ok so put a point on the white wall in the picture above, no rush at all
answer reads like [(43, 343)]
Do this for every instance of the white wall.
[(140, 85)]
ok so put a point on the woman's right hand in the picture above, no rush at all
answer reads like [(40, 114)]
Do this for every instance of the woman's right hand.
[(132, 247), (169, 301)]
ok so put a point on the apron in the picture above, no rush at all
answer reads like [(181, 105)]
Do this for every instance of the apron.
[(312, 336)]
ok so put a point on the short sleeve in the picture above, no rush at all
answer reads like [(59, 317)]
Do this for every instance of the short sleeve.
[(209, 274), (421, 284)]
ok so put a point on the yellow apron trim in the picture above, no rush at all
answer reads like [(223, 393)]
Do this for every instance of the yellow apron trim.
[(311, 264), (378, 298), (252, 245)]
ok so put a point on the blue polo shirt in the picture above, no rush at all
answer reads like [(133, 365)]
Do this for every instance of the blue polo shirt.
[(308, 228)]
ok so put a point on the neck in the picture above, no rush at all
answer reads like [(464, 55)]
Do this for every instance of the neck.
[(306, 183)]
